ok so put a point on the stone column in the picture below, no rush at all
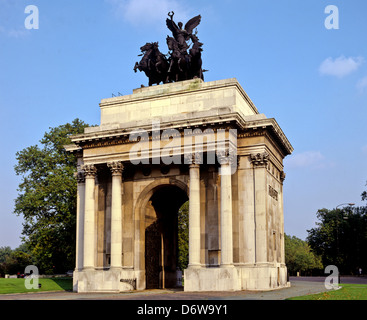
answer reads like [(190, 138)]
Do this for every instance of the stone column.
[(225, 158), (194, 210), (80, 206), (246, 211), (90, 172), (260, 162), (116, 214)]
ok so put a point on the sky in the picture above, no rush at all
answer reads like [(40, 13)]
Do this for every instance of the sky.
[(310, 78)]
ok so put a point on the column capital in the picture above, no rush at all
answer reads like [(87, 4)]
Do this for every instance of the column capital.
[(227, 156), (80, 177), (282, 176), (195, 158), (90, 171), (259, 159), (116, 167)]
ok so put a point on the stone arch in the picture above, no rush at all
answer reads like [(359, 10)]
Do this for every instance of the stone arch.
[(140, 210)]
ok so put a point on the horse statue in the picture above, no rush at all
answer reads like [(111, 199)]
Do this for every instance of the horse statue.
[(178, 62), (154, 64), (184, 60), (196, 62)]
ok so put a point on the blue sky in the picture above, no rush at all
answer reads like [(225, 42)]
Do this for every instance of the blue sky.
[(312, 80)]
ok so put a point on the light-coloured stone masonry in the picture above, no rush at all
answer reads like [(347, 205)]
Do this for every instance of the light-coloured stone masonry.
[(236, 228)]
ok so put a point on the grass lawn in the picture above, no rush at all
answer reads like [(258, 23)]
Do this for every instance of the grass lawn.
[(52, 284), (347, 292)]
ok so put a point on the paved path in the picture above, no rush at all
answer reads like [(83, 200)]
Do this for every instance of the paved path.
[(343, 279), (298, 287)]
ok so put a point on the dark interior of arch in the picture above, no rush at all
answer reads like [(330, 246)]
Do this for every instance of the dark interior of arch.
[(161, 238)]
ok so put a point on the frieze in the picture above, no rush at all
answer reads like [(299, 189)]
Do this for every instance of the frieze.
[(106, 143), (165, 134), (249, 134)]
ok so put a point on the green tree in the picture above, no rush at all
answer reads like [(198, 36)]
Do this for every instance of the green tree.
[(364, 195), (299, 256), (14, 261), (47, 198), (183, 236), (5, 252), (341, 238)]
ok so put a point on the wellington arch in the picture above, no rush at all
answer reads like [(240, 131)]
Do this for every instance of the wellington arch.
[(226, 159)]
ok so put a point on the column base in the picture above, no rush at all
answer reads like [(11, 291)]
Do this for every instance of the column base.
[(112, 280), (236, 278), (212, 279), (88, 268), (194, 266), (116, 268)]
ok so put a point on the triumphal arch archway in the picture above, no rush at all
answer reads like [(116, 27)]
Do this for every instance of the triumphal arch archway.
[(205, 142)]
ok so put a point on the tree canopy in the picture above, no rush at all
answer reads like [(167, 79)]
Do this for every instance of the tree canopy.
[(47, 198), (299, 256), (14, 261), (341, 238)]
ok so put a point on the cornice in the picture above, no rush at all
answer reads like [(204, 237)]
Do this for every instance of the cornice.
[(232, 120), (263, 127), (277, 132)]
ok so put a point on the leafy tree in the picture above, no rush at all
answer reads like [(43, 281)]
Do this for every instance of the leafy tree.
[(341, 238), (47, 198), (299, 257), (364, 195), (183, 236), (14, 261), (4, 252), (17, 262)]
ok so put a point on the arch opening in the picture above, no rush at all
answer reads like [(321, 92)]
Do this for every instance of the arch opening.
[(161, 237)]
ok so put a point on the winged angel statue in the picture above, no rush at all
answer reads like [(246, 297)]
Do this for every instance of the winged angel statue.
[(182, 35), (181, 62)]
